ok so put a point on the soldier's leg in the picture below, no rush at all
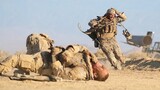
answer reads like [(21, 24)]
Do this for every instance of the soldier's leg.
[(89, 58), (108, 51), (76, 73), (57, 68), (118, 53), (114, 62), (9, 63)]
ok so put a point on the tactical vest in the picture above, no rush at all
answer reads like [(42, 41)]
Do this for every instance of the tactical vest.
[(109, 30)]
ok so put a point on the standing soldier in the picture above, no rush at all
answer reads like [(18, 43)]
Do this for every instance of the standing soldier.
[(105, 30)]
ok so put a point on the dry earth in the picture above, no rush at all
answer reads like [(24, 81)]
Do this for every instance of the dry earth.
[(118, 80)]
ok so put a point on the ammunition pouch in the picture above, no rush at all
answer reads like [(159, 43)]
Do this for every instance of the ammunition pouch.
[(30, 63), (26, 63)]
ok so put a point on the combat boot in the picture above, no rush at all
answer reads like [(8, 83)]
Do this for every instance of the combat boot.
[(119, 66)]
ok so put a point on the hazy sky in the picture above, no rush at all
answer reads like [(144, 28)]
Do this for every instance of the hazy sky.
[(59, 19)]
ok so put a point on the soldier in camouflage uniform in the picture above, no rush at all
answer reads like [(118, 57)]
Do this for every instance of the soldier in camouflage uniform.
[(105, 30), (77, 63), (37, 58), (27, 63)]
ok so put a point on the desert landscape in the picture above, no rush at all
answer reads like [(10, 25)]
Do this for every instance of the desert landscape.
[(135, 26), (139, 73)]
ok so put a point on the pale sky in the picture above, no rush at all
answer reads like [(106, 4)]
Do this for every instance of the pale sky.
[(59, 19)]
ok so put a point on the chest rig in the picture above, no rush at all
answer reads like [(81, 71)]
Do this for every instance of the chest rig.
[(109, 30)]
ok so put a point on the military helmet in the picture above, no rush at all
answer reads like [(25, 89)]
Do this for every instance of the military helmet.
[(111, 11)]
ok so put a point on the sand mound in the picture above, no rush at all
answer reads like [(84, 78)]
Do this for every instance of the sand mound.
[(143, 61), (143, 64)]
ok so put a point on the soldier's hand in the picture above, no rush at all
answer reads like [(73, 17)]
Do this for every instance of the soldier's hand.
[(116, 11), (113, 9)]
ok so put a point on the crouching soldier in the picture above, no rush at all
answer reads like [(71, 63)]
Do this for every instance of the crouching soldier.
[(77, 63), (36, 59), (27, 63)]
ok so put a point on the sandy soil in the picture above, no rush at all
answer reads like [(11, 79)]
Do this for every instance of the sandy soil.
[(118, 80), (137, 75)]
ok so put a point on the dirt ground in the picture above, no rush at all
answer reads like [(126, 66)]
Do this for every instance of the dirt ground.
[(137, 75), (118, 80)]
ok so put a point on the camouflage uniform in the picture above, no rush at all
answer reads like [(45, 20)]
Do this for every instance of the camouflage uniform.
[(41, 43), (106, 30), (38, 42), (27, 63), (37, 58), (76, 63)]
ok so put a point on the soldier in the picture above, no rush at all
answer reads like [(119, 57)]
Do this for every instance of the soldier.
[(27, 63), (106, 30), (41, 43), (36, 59), (77, 63)]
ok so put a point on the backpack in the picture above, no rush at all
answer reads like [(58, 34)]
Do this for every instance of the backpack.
[(94, 25), (38, 42)]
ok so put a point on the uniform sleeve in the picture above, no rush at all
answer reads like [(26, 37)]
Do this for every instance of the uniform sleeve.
[(121, 17)]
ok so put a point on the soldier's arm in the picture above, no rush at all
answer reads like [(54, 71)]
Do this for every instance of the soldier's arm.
[(120, 16), (88, 64)]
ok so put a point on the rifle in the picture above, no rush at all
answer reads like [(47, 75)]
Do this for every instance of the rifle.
[(125, 31), (91, 34)]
